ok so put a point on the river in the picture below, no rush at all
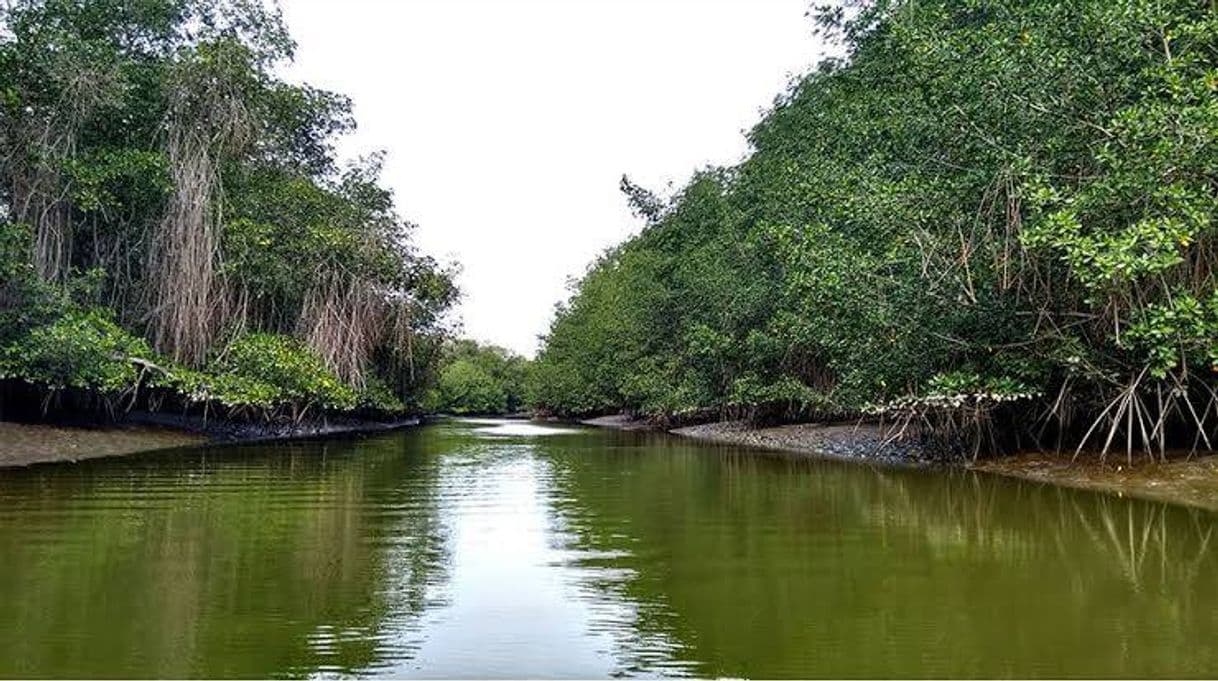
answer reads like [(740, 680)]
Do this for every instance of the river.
[(503, 549)]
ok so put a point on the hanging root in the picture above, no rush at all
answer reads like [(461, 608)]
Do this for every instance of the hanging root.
[(188, 295), (342, 321), (209, 118), (43, 207), (400, 333), (33, 150)]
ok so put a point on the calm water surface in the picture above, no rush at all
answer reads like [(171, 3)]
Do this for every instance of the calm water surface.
[(500, 549)]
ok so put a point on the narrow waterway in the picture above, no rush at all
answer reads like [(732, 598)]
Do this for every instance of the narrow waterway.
[(481, 548)]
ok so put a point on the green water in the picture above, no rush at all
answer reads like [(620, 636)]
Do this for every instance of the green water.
[(483, 549)]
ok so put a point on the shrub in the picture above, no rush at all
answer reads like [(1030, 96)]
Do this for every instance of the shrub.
[(378, 396), (267, 371), (82, 349)]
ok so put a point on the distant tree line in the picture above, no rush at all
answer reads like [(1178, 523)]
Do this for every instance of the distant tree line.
[(990, 222), (175, 228), (476, 379)]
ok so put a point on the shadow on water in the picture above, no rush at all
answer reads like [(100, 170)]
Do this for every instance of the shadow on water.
[(488, 549)]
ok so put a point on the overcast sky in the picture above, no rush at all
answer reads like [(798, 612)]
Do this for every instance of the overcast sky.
[(508, 123)]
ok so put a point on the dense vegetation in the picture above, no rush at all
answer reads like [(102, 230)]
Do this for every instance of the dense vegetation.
[(990, 221), (174, 225), (479, 379)]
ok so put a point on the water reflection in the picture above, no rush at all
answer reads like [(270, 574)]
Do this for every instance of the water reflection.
[(780, 568), (215, 563), (517, 598), (484, 549)]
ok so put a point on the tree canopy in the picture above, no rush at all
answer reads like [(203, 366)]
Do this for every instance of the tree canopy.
[(990, 219), (169, 204), (480, 379)]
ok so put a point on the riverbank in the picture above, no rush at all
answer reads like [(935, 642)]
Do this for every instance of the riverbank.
[(27, 444), (1189, 481), (858, 441), (227, 430), (846, 441), (23, 444), (620, 422)]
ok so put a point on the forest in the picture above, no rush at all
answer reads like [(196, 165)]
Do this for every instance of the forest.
[(989, 224), (177, 232)]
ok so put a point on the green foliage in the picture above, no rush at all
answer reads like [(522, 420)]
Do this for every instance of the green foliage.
[(82, 349), (15, 253), (961, 389), (479, 379), (115, 114), (108, 178), (984, 202), (264, 371), (465, 388), (378, 396), (274, 369), (1179, 333)]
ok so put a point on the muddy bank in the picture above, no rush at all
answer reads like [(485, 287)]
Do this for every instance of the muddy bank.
[(1188, 481), (224, 430), (619, 422), (23, 444), (849, 441)]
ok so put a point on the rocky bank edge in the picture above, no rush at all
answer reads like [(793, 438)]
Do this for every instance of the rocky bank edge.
[(847, 441)]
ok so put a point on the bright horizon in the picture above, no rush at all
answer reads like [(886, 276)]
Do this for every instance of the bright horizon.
[(508, 124)]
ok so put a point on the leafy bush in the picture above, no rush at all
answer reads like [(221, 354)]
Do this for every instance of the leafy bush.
[(15, 242), (378, 396), (465, 388), (82, 349), (266, 371), (25, 300)]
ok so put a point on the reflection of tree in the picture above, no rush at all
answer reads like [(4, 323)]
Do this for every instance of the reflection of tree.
[(763, 566), (301, 559), (246, 561)]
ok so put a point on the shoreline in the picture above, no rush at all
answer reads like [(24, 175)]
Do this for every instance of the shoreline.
[(1187, 481), (30, 444), (1191, 481), (858, 442), (842, 441)]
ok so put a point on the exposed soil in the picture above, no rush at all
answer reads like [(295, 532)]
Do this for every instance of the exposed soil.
[(22, 444), (621, 422), (1183, 480)]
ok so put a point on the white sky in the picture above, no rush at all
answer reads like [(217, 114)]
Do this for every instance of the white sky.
[(508, 123)]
